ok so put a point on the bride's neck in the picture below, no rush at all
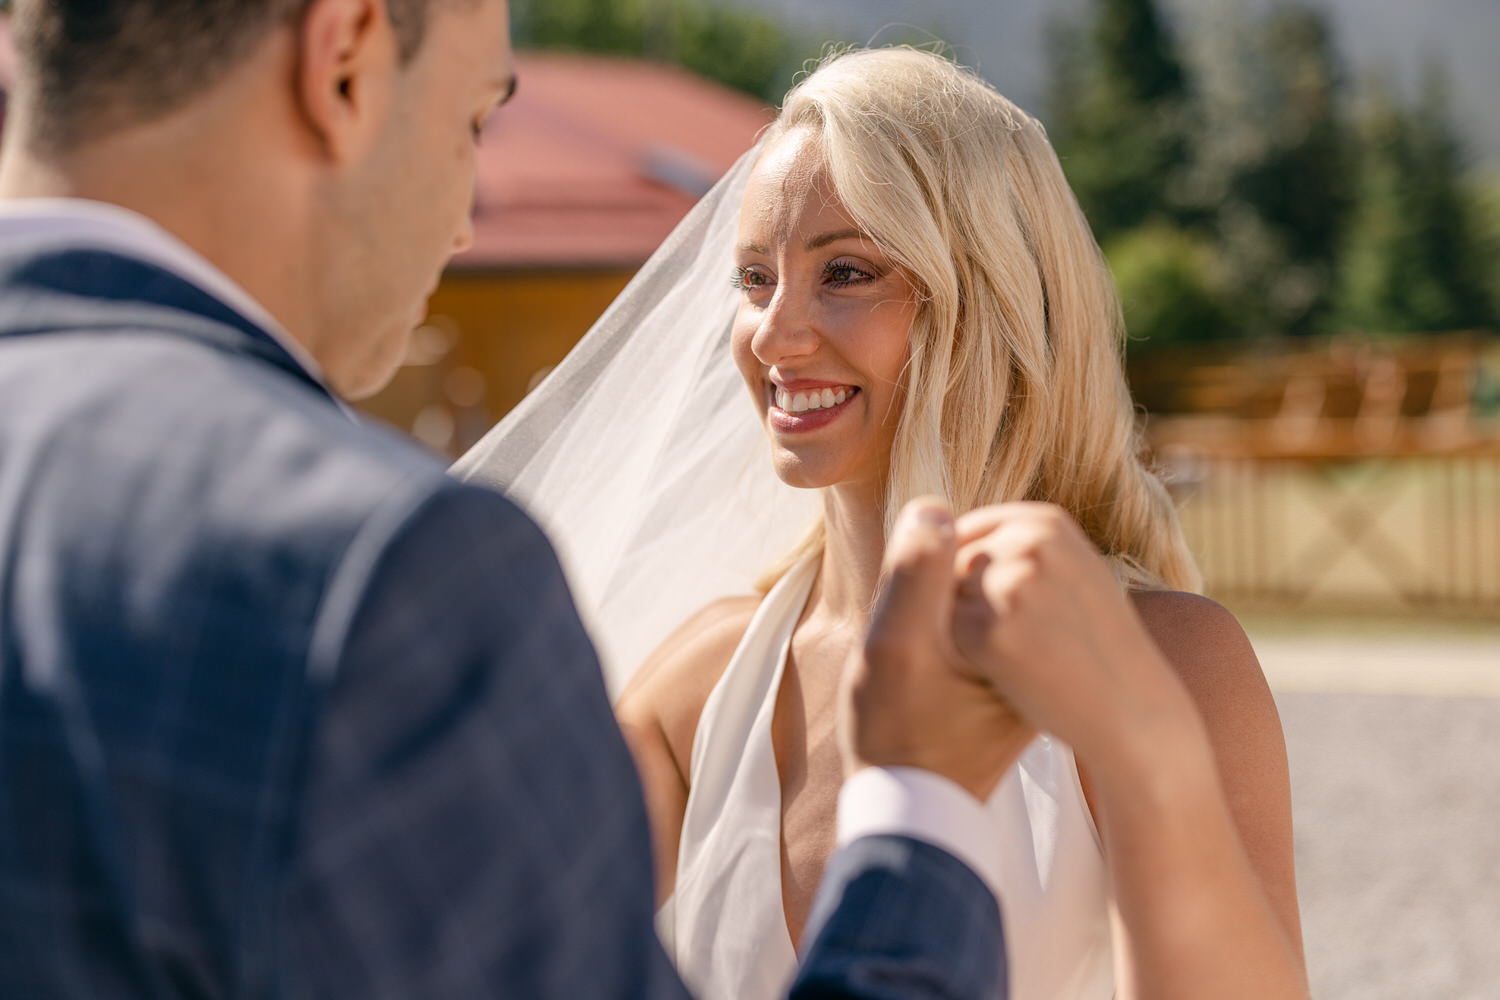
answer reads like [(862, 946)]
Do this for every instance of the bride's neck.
[(853, 549)]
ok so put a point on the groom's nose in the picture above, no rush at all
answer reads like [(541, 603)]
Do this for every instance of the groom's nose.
[(463, 238)]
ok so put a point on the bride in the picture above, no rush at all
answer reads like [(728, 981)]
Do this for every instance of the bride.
[(903, 281)]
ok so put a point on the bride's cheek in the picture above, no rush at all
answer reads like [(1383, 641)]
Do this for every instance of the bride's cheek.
[(744, 358)]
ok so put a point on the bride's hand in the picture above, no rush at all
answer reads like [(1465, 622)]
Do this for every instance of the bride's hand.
[(910, 698), (1040, 613)]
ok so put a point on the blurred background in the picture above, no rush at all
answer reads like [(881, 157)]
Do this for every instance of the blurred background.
[(1301, 204)]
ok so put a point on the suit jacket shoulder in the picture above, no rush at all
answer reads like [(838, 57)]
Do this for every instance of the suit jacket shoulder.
[(187, 522)]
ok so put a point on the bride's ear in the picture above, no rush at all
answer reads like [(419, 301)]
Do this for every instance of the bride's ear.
[(348, 61)]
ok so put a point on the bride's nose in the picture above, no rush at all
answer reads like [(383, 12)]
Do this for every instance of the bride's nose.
[(786, 329)]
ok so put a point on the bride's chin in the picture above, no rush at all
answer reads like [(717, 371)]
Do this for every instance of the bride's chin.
[(799, 474)]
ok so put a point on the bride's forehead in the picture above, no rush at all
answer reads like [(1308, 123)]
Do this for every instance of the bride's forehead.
[(788, 189)]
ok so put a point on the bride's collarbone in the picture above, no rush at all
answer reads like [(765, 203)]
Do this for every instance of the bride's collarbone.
[(822, 643)]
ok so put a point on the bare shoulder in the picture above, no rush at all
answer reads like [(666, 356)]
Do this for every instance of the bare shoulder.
[(1201, 639), (1210, 652), (670, 688)]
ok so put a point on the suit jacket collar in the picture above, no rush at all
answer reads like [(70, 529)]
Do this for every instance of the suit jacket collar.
[(58, 289)]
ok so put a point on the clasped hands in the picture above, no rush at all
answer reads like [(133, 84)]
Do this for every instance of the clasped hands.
[(987, 629)]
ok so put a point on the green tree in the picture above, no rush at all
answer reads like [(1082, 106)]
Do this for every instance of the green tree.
[(739, 48), (1136, 52), (1416, 258), (1487, 200), (1120, 100), (1171, 290), (1271, 170)]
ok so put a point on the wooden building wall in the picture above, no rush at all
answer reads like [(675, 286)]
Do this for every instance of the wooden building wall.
[(488, 338)]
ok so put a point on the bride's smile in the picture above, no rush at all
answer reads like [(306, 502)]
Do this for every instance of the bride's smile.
[(822, 332), (804, 406), (801, 398)]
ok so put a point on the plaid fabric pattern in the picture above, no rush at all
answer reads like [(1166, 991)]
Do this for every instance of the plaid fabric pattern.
[(897, 919), (473, 824)]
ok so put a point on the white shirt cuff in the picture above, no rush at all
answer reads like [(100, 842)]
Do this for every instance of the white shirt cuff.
[(911, 802)]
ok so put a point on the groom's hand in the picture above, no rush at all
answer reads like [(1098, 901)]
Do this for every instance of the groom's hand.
[(910, 699)]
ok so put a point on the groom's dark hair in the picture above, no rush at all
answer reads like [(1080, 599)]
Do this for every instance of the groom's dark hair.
[(98, 65)]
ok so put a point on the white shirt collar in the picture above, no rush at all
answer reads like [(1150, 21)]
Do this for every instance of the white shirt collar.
[(104, 226)]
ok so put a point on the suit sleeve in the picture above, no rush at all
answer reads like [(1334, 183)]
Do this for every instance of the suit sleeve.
[(472, 825), (897, 918)]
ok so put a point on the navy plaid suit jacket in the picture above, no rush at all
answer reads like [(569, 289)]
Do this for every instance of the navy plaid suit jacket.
[(285, 712)]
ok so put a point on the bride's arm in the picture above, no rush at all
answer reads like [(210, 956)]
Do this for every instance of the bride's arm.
[(1215, 777), (1194, 815), (1213, 659), (658, 712)]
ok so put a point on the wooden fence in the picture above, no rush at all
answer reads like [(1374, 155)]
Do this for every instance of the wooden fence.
[(1347, 477), (1401, 534)]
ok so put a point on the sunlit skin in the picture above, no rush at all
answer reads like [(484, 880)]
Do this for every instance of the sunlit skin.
[(822, 307), (406, 206)]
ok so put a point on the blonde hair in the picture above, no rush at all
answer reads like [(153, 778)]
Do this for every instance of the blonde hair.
[(1015, 386)]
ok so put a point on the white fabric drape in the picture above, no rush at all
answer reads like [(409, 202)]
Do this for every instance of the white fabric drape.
[(641, 456)]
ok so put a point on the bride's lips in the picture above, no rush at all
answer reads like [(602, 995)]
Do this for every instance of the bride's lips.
[(788, 422)]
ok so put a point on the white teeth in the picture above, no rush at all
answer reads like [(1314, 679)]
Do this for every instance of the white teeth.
[(817, 399)]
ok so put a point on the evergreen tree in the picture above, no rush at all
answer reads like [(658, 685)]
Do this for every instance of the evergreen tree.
[(1120, 99), (741, 49), (1270, 179), (1416, 259), (1487, 199), (1136, 53)]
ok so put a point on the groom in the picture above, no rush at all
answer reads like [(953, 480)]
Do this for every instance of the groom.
[(284, 711)]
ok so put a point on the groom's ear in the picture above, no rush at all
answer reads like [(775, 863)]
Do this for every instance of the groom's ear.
[(348, 58)]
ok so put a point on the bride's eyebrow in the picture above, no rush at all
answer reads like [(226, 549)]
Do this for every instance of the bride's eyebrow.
[(823, 239), (812, 242)]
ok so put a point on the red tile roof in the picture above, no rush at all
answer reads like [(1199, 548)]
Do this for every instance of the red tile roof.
[(596, 159)]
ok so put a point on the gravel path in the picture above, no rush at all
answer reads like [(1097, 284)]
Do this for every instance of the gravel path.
[(1396, 803)]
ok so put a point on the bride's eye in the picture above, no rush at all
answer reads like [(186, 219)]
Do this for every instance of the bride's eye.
[(843, 273), (746, 279)]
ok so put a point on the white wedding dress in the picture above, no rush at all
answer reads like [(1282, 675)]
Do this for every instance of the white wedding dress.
[(724, 925)]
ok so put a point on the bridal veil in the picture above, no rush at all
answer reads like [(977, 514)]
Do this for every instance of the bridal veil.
[(640, 455)]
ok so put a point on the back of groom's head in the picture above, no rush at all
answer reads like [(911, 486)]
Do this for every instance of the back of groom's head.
[(320, 153), (96, 66)]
